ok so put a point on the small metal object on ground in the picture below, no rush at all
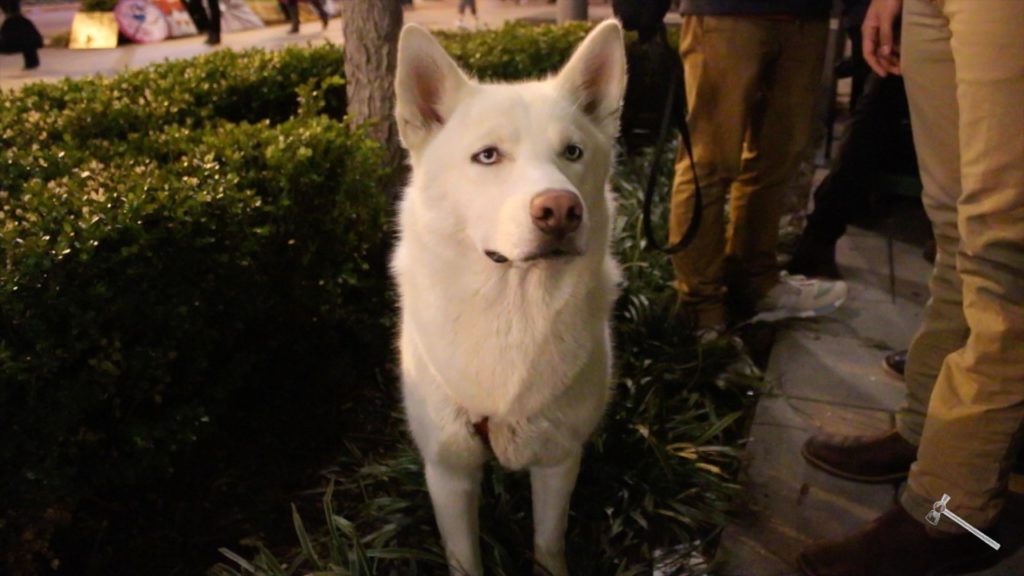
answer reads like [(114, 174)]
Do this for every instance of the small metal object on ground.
[(939, 510)]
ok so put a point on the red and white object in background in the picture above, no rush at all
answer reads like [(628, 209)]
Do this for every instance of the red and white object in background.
[(179, 21), (141, 21)]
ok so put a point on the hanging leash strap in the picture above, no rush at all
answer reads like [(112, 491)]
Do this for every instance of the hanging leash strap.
[(659, 150)]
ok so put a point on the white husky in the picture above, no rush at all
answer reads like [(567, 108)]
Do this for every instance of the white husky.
[(506, 277)]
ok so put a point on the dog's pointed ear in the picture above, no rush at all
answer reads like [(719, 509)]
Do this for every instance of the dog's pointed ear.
[(428, 84), (595, 76)]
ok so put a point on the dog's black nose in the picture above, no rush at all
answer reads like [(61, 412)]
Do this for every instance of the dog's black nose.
[(556, 213)]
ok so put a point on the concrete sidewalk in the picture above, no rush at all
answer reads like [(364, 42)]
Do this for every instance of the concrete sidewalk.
[(826, 374), (59, 63)]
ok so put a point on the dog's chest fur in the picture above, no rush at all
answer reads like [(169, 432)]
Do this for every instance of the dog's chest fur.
[(501, 343)]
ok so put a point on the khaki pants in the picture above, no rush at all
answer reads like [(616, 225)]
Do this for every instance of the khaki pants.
[(964, 66), (751, 84)]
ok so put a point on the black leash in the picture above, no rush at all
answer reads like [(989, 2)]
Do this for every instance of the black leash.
[(652, 178)]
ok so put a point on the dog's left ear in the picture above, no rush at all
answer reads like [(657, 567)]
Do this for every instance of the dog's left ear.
[(428, 85), (595, 76)]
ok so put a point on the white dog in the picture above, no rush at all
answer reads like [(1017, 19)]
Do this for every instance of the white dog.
[(506, 277)]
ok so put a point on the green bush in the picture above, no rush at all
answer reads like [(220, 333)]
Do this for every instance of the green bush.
[(520, 50), (98, 5), (516, 51), (144, 301), (79, 119), (192, 258)]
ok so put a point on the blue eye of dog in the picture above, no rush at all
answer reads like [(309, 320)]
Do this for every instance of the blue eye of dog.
[(487, 156), (572, 152)]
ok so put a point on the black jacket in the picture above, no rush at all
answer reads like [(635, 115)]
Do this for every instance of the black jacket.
[(17, 33), (797, 8)]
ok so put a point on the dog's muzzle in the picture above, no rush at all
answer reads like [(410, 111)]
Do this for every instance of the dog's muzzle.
[(557, 214)]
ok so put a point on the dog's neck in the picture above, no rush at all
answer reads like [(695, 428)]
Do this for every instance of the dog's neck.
[(493, 332)]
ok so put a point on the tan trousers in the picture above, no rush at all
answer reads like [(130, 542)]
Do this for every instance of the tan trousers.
[(964, 66), (751, 85)]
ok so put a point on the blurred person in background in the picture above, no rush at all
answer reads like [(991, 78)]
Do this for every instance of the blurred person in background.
[(293, 14), (19, 34), (471, 6), (213, 37), (876, 139)]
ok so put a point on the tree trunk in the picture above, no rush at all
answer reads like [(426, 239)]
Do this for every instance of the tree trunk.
[(569, 10), (371, 28)]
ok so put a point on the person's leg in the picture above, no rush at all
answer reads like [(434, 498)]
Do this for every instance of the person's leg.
[(321, 11), (293, 15), (931, 89), (213, 36), (723, 60), (965, 77), (777, 138), (977, 406), (31, 59), (844, 194)]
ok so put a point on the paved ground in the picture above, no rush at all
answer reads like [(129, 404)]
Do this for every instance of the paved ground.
[(60, 63), (826, 375)]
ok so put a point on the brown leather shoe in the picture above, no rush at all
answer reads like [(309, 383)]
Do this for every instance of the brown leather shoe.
[(895, 544), (872, 459)]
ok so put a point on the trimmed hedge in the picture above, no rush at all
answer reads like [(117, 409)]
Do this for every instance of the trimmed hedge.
[(73, 116), (185, 256), (516, 51), (130, 286), (98, 5)]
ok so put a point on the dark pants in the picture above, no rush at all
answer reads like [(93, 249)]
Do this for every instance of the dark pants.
[(214, 18), (293, 12), (877, 139), (31, 58)]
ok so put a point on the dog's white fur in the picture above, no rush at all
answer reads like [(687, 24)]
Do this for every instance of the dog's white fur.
[(524, 343)]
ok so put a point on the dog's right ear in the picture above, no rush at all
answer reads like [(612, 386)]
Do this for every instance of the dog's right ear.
[(428, 85)]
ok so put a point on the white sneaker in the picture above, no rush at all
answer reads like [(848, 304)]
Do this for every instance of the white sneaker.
[(800, 297)]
